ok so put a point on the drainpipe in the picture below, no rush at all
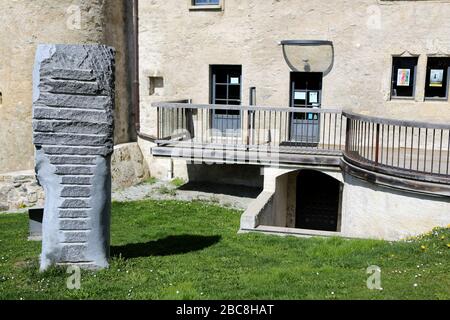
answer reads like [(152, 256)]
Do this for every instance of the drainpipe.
[(170, 173), (135, 87), (137, 122)]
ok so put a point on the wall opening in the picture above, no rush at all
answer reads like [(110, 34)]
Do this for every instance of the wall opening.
[(318, 201), (156, 84)]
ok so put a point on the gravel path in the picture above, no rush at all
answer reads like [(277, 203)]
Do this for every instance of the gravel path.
[(231, 196), (237, 197)]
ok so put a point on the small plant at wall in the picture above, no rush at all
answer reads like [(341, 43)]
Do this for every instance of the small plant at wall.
[(150, 181), (22, 205), (178, 182), (167, 191)]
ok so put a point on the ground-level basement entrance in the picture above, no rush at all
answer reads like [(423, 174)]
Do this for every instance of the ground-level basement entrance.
[(318, 201)]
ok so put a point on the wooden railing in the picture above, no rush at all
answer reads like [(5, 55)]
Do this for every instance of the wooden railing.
[(416, 150), (297, 129), (408, 149)]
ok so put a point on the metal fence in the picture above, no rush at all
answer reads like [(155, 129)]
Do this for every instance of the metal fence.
[(408, 148), (297, 129)]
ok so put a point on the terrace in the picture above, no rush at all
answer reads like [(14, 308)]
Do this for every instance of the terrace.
[(406, 154)]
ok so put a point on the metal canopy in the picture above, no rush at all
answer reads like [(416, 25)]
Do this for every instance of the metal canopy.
[(309, 55)]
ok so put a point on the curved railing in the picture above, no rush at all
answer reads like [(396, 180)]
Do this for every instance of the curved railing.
[(419, 151), (410, 149)]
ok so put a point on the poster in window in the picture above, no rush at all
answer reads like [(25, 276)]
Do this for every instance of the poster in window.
[(313, 97), (403, 77), (300, 95), (436, 77), (234, 80)]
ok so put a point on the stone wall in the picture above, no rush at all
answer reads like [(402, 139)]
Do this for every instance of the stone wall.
[(26, 23), (19, 190), (128, 166), (366, 210), (179, 44)]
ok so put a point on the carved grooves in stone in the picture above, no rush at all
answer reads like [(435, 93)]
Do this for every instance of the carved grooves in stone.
[(73, 125)]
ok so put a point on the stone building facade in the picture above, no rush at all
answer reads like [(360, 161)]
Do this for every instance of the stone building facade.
[(179, 42), (389, 68), (384, 59), (26, 23)]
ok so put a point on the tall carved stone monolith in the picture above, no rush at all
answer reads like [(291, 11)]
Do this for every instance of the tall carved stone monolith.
[(73, 103)]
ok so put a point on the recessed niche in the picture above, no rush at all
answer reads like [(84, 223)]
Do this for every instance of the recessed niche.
[(155, 84)]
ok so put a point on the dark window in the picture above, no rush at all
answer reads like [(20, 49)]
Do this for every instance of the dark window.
[(403, 77), (205, 2), (226, 86), (306, 92), (436, 86)]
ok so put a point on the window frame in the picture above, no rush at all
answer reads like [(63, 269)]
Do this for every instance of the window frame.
[(227, 68), (206, 7), (223, 114), (414, 84), (447, 82)]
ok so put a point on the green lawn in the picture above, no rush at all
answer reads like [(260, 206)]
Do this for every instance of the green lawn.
[(180, 250)]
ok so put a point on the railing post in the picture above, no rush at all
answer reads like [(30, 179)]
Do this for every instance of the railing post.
[(190, 122), (348, 135), (158, 125), (251, 116), (377, 143)]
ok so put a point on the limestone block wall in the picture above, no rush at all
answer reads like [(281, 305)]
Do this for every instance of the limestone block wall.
[(19, 190), (27, 23), (128, 166)]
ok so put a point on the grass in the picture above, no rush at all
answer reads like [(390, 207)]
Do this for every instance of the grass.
[(182, 250), (178, 182)]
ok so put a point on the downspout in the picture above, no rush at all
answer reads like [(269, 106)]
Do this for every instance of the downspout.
[(136, 110), (135, 87), (136, 95)]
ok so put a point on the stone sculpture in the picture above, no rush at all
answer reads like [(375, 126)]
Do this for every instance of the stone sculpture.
[(73, 103)]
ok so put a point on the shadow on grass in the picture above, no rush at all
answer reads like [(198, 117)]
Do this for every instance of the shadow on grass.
[(170, 245)]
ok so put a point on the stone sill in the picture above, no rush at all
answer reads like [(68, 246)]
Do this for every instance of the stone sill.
[(407, 99), (206, 8), (284, 231), (435, 100)]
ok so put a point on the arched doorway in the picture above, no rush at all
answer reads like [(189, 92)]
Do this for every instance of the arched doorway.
[(318, 201)]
